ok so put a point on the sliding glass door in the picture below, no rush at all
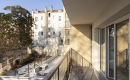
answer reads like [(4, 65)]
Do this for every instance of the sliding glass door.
[(114, 50), (122, 50), (110, 51)]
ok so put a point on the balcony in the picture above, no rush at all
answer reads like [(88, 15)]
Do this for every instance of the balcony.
[(72, 67)]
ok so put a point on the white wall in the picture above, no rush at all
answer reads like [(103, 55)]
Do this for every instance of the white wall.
[(111, 13), (57, 22), (42, 40)]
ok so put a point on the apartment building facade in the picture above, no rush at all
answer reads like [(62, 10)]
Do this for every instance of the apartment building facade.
[(100, 33), (49, 30)]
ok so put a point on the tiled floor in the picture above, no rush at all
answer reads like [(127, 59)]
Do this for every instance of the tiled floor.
[(82, 73)]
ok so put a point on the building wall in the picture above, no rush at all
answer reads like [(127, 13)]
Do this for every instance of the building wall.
[(80, 40), (115, 10), (37, 32), (57, 22), (66, 27), (48, 29)]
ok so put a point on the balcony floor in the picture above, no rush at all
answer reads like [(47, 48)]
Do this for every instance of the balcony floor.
[(81, 73)]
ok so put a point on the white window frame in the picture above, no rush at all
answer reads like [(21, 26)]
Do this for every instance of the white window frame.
[(41, 17), (59, 19), (36, 18), (36, 26)]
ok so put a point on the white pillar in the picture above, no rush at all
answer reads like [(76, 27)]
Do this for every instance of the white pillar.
[(1, 68)]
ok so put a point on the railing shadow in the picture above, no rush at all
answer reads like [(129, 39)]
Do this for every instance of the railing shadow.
[(72, 67)]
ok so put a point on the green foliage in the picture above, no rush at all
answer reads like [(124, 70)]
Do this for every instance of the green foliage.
[(4, 72), (45, 53), (15, 28), (33, 54)]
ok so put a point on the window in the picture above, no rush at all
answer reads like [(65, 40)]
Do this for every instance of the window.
[(67, 41), (59, 25), (53, 33), (54, 25), (49, 29), (48, 21), (59, 18), (49, 14), (122, 50), (67, 32), (36, 34), (66, 16), (41, 25), (67, 24), (59, 33), (42, 18), (36, 18), (53, 17), (36, 42), (41, 33), (61, 41), (59, 28), (36, 26), (49, 36)]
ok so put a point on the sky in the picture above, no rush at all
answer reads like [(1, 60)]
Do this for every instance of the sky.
[(32, 4)]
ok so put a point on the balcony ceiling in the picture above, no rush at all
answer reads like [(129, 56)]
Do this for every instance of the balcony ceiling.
[(84, 11)]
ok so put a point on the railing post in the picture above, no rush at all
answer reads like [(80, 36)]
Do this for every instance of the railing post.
[(82, 61), (76, 57), (41, 62), (71, 56), (28, 68), (34, 64), (58, 73), (67, 60)]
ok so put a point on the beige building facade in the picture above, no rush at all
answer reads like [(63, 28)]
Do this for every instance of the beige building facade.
[(100, 33)]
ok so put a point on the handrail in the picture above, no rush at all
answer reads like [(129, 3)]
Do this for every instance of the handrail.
[(50, 74), (56, 67), (82, 57)]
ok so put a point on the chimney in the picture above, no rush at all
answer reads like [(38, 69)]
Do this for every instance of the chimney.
[(51, 10), (32, 12), (36, 11), (45, 9)]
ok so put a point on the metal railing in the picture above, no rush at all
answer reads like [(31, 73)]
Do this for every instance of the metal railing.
[(124, 59), (71, 60), (25, 70)]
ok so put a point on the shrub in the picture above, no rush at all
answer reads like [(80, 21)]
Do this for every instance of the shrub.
[(4, 72), (45, 53), (33, 54)]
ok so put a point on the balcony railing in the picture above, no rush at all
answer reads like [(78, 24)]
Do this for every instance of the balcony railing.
[(72, 64)]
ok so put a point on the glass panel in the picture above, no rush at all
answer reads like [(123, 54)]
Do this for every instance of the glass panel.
[(102, 44), (122, 35), (67, 24), (110, 47)]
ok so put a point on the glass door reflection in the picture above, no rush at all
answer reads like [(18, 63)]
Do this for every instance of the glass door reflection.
[(110, 51), (122, 50)]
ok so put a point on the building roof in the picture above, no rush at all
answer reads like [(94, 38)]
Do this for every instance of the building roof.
[(43, 11)]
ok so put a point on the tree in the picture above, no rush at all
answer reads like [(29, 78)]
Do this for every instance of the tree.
[(16, 30)]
